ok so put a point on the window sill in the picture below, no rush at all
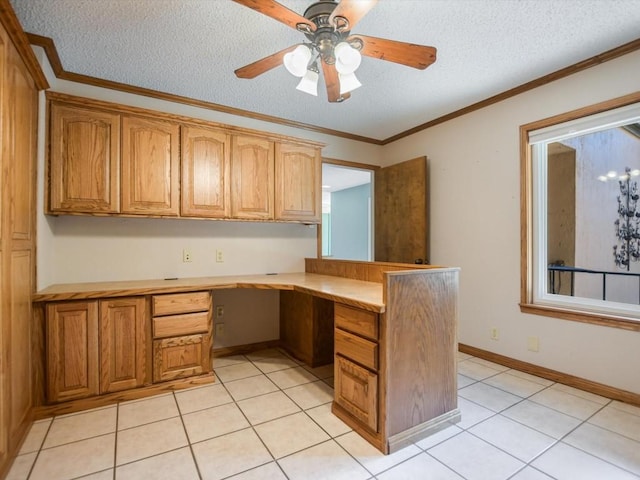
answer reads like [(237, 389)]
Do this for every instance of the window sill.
[(579, 316)]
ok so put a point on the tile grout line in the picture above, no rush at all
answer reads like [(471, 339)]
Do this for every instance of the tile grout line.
[(186, 434)]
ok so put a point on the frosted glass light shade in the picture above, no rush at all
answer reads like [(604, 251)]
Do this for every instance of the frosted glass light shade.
[(348, 82), (348, 59), (296, 61), (309, 83)]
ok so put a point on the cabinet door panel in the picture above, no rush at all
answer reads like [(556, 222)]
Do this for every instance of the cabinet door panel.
[(206, 179), (72, 350), (180, 357), (356, 390), (150, 164), (84, 166), (123, 340), (252, 170), (298, 177)]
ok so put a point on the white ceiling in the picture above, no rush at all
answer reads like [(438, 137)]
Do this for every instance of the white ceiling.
[(192, 47)]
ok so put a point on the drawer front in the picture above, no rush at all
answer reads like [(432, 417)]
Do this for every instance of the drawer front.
[(180, 357), (356, 348), (356, 390), (357, 321), (181, 303), (175, 325)]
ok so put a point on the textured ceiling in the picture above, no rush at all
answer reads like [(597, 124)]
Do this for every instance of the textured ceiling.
[(192, 47)]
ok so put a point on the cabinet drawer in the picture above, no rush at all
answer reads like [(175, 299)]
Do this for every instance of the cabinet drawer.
[(356, 390), (175, 325), (356, 348), (357, 321), (180, 357), (181, 303)]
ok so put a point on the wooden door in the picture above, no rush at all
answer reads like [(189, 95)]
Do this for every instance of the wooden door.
[(356, 390), (206, 174), (298, 183), (401, 212), (84, 160), (124, 335), (72, 350), (252, 174), (150, 166)]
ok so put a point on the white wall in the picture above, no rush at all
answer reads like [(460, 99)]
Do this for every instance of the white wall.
[(474, 168)]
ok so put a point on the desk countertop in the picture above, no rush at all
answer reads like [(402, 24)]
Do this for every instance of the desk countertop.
[(357, 293)]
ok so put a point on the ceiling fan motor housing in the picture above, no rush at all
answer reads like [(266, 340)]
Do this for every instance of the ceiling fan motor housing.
[(327, 35)]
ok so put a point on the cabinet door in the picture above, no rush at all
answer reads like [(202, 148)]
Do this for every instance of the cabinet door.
[(150, 166), (356, 390), (206, 179), (72, 350), (84, 160), (252, 170), (124, 335), (298, 178), (181, 357)]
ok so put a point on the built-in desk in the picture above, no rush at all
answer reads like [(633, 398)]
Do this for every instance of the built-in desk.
[(394, 332)]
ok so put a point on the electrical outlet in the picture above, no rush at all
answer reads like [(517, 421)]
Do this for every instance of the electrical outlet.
[(219, 256), (494, 333), (220, 311), (186, 256), (219, 329), (533, 344)]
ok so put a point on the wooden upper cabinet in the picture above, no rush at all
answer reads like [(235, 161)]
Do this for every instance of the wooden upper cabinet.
[(252, 174), (298, 178), (150, 166), (84, 162), (206, 182)]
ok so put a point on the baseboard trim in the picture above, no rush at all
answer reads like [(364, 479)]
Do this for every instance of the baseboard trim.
[(79, 405), (242, 349), (554, 375), (419, 432)]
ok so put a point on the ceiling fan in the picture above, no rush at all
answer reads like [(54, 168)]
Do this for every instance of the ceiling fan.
[(327, 25)]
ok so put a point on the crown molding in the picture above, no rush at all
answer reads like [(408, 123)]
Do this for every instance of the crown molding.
[(49, 47)]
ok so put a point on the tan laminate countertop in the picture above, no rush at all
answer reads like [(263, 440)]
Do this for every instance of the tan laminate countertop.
[(366, 295)]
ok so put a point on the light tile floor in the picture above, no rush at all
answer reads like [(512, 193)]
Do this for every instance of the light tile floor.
[(268, 418)]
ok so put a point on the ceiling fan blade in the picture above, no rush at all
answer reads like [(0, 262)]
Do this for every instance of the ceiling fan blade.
[(352, 10), (264, 64), (279, 12), (333, 83), (409, 54)]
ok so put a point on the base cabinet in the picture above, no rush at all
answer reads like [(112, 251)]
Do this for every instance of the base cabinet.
[(181, 335), (95, 347), (356, 365)]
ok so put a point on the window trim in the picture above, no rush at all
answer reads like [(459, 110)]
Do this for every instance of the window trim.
[(527, 304)]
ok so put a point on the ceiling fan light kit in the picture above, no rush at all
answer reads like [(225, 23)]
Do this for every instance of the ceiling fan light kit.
[(327, 25)]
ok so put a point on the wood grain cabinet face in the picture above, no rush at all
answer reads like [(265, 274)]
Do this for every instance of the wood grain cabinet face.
[(181, 335), (96, 347), (72, 350), (298, 179), (123, 343), (206, 173), (252, 173), (150, 167), (84, 161), (356, 390)]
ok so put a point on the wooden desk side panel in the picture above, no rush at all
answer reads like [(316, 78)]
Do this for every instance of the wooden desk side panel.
[(358, 270), (421, 340)]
